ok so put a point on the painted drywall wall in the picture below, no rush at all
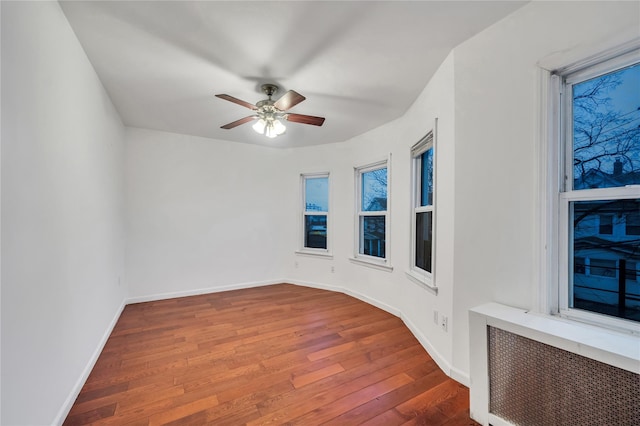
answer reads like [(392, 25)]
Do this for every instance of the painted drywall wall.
[(62, 213), (202, 215), (497, 87)]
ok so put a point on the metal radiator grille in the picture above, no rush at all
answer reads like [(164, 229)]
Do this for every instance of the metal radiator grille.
[(532, 383)]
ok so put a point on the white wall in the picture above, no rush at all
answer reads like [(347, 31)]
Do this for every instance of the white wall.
[(62, 214), (497, 87), (202, 214)]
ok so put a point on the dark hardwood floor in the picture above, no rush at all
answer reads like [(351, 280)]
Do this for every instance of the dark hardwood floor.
[(280, 354)]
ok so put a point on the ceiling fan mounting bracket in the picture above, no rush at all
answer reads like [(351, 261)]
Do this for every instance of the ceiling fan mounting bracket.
[(269, 89)]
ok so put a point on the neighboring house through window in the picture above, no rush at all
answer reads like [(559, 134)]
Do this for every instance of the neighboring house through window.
[(599, 195), (315, 212), (372, 218)]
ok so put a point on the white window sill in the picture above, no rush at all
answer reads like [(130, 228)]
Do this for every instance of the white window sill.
[(319, 254), (614, 348), (422, 281), (371, 264)]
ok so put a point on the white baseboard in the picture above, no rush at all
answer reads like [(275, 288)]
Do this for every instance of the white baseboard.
[(456, 374), (460, 377), (71, 399), (172, 295), (357, 295)]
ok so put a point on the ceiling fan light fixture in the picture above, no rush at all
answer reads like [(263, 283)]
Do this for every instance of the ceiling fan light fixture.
[(269, 125), (259, 126), (274, 128), (278, 127)]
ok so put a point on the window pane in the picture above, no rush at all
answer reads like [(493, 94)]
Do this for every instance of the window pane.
[(315, 231), (606, 224), (426, 178), (606, 131), (632, 225), (424, 238), (374, 190), (603, 267), (372, 230), (632, 271), (604, 276), (316, 194)]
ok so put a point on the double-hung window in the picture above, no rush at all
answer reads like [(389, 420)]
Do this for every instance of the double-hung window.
[(422, 258), (599, 190), (315, 212), (372, 218)]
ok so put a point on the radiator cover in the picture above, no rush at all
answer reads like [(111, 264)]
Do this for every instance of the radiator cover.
[(531, 383)]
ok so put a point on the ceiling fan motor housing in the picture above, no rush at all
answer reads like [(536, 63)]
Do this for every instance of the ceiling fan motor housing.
[(266, 110), (269, 89)]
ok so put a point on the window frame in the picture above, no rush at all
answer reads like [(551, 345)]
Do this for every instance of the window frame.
[(383, 263), (417, 274), (556, 185), (302, 249)]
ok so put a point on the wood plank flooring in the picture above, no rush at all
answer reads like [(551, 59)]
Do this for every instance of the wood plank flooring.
[(280, 354)]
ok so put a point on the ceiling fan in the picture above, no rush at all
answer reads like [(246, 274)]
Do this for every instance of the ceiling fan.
[(269, 112)]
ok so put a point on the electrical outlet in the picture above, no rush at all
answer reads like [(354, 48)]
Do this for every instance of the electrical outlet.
[(435, 317), (333, 269), (295, 264), (444, 323)]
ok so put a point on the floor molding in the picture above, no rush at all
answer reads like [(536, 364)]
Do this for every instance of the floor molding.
[(75, 391), (186, 293)]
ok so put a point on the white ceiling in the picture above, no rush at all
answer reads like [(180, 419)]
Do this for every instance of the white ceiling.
[(360, 64)]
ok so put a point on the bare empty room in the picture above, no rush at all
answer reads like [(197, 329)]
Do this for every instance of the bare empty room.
[(309, 212)]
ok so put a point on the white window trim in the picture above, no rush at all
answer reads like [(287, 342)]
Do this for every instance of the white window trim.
[(418, 275), (363, 259), (302, 250), (552, 240)]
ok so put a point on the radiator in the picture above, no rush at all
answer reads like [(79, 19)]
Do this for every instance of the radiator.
[(531, 383), (530, 369)]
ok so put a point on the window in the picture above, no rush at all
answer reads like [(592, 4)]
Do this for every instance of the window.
[(372, 219), (632, 224), (606, 224), (631, 271), (315, 211), (603, 267), (598, 197), (422, 240)]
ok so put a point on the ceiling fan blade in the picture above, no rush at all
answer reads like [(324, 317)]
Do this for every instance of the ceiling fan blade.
[(289, 100), (237, 101), (305, 119), (239, 122)]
